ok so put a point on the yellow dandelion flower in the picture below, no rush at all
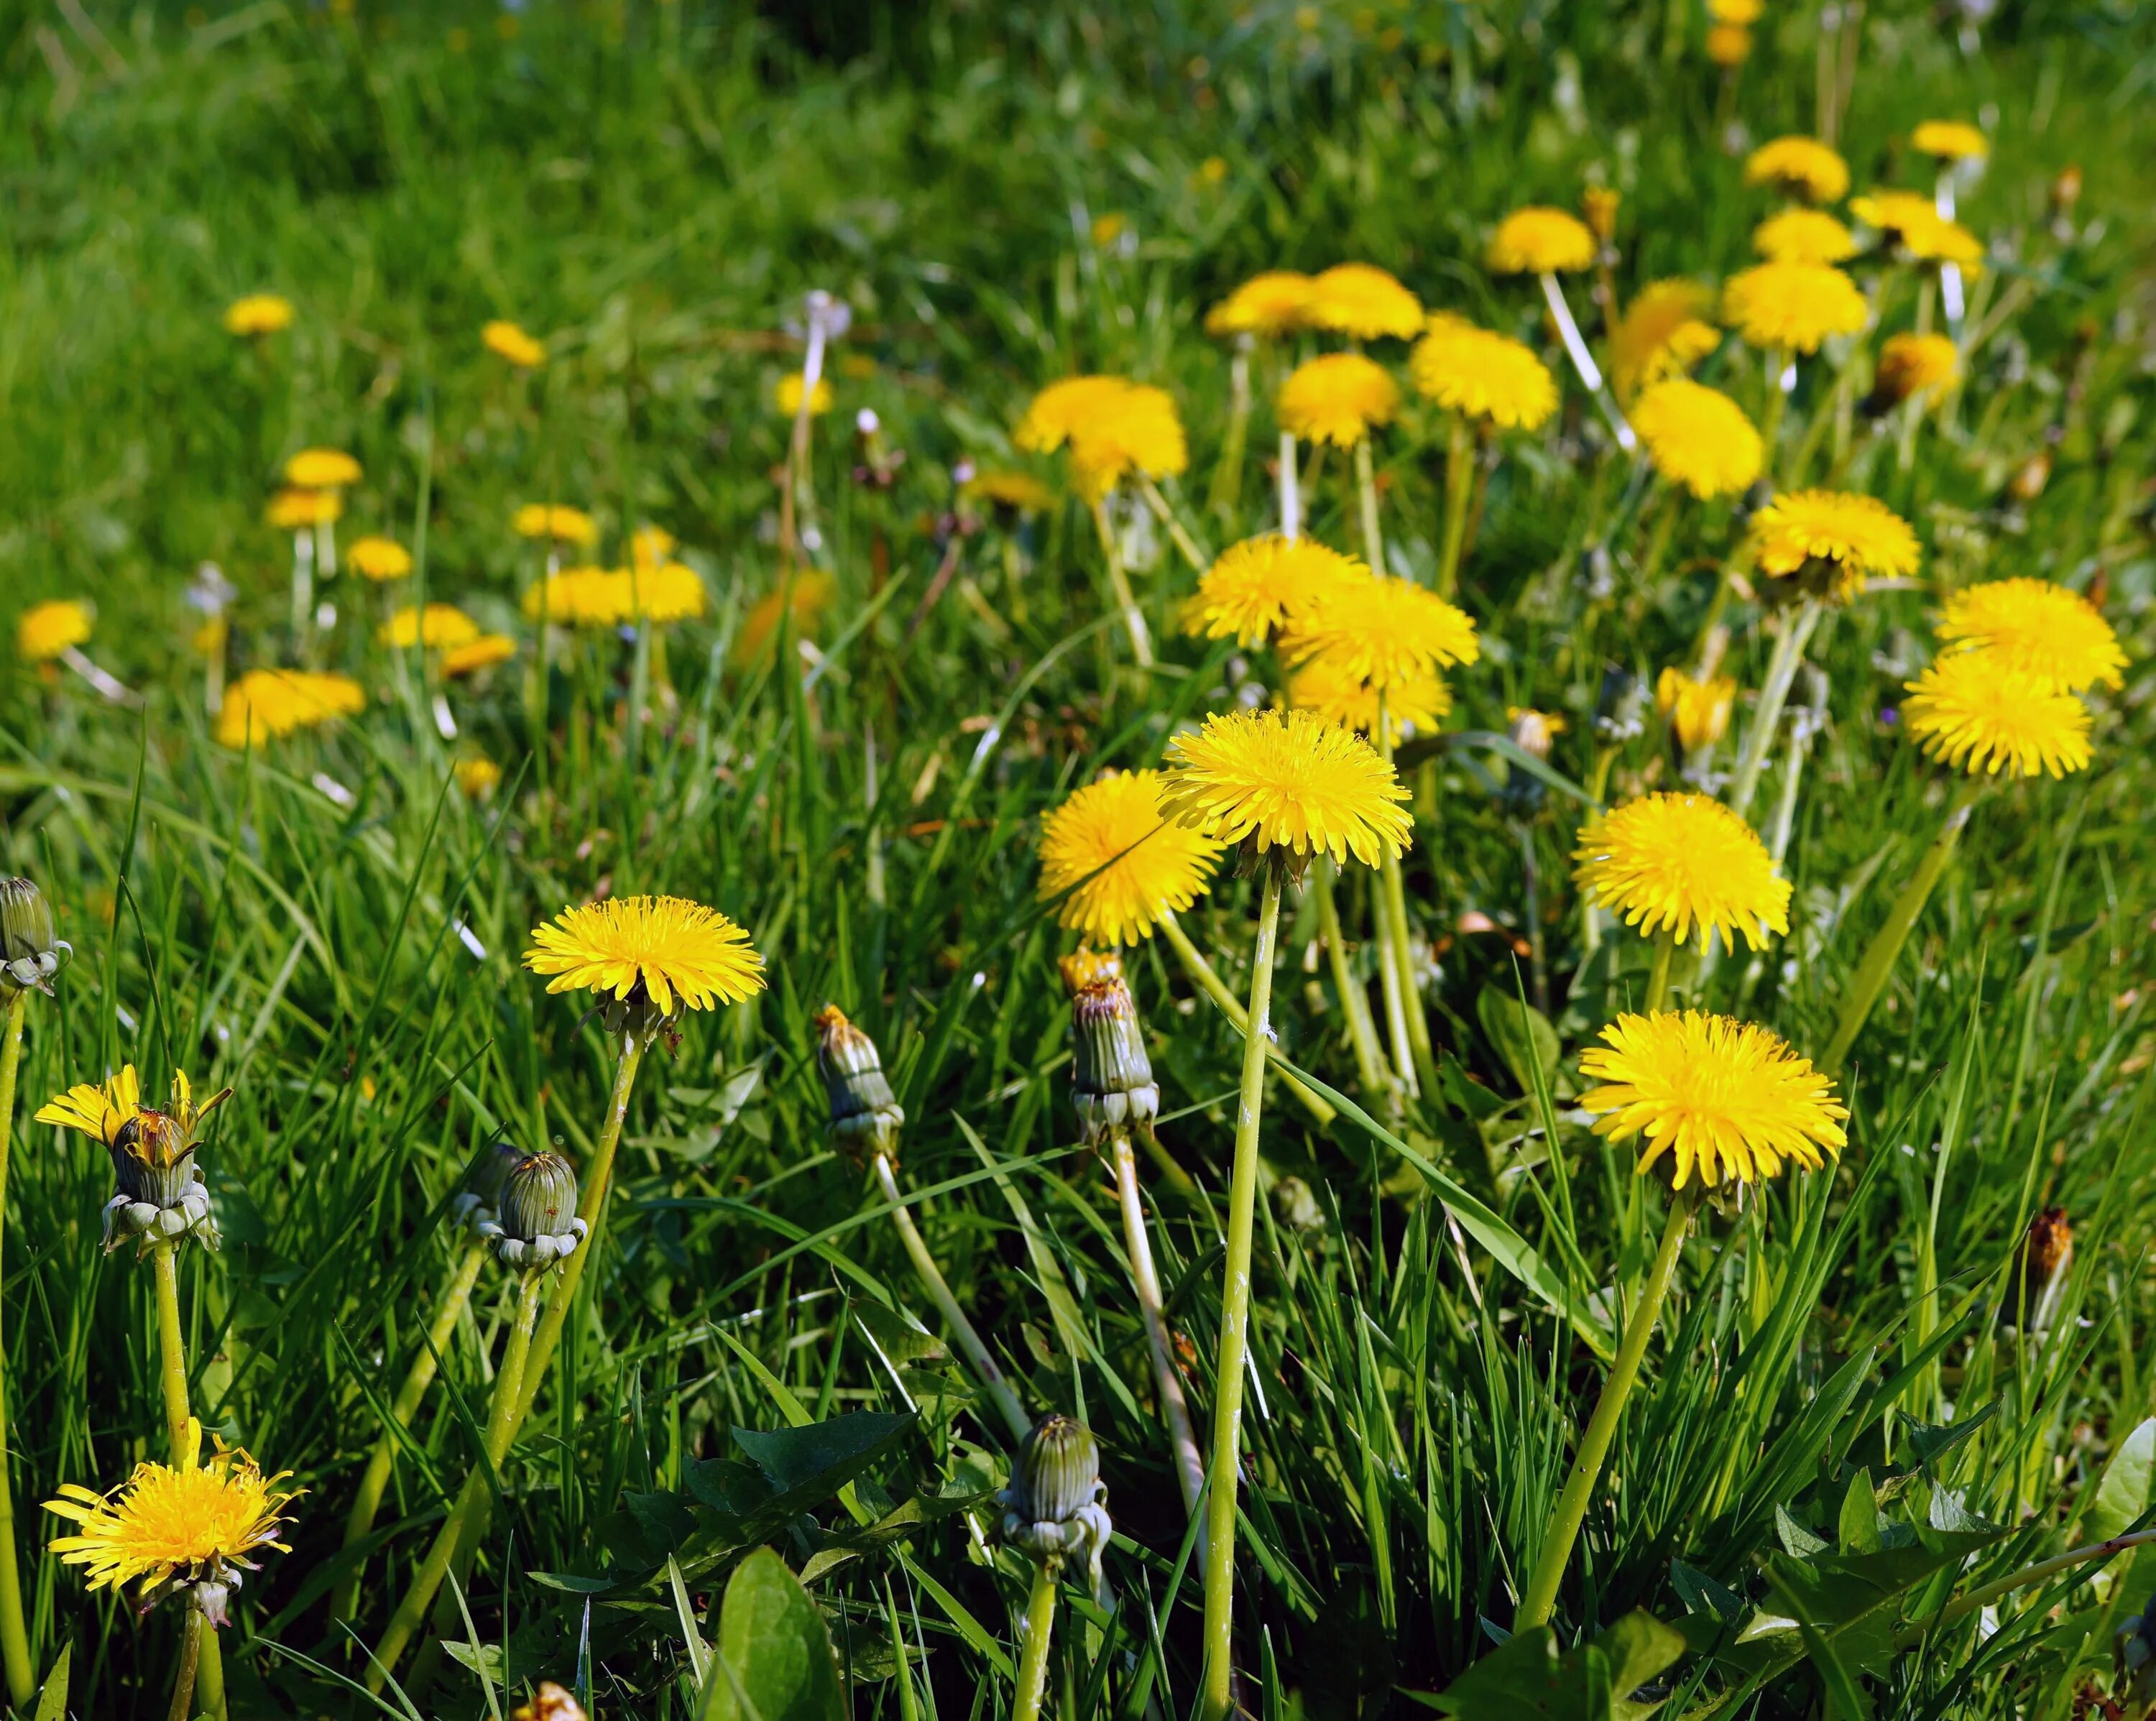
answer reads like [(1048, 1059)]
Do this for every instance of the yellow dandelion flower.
[(1909, 365), (1339, 397), (294, 510), (45, 630), (112, 1112), (1978, 713), (1020, 491), (1267, 305), (1697, 707), (264, 705), (804, 598), (1697, 437), (649, 546), (1729, 45), (321, 469), (1363, 302), (507, 340), (1392, 633), (1794, 306), (478, 776), (1683, 864), (1087, 967), (672, 591), (1540, 240), (577, 598), (1257, 586), (2038, 628), (475, 655), (379, 558), (666, 947), (1736, 12), (1727, 1100), (1663, 333), (1799, 167), (1480, 374), (1130, 428), (1063, 408), (563, 526), (1117, 862), (1843, 539), (1949, 140), (787, 396), (257, 313), (1290, 780), (1801, 235), (1913, 223), (1419, 702), (442, 626)]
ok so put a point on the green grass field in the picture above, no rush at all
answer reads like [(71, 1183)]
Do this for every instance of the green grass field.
[(1853, 1417)]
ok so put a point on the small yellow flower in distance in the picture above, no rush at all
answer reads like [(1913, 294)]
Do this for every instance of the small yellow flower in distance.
[(264, 705), (1726, 1100), (1420, 702), (1256, 587), (1539, 240), (296, 510), (1338, 398), (577, 598), (666, 948), (1484, 376), (650, 545), (1840, 538), (444, 626), (1977, 712), (1949, 140), (1729, 45), (1110, 227), (1020, 491), (1915, 224), (478, 776), (1267, 305), (787, 396), (805, 598), (1117, 863), (45, 630), (2038, 628), (563, 526), (506, 341), (1663, 333), (672, 591), (1684, 864), (1736, 12), (1287, 780), (379, 558), (1793, 305), (321, 469), (1799, 167), (1801, 235), (1698, 708), (1598, 208), (1910, 364), (475, 655), (1211, 171), (1112, 425), (257, 313), (1388, 632), (1363, 302), (1697, 437)]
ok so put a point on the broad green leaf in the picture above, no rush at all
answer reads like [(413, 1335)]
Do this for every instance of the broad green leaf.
[(1640, 1649), (52, 1694), (1859, 1526), (1527, 1678), (811, 1462), (1523, 1035), (2122, 1494), (774, 1661)]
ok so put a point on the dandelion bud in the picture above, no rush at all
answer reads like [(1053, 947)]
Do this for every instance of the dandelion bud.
[(537, 1225), (1111, 1084), (1599, 204), (2066, 191), (482, 1191), (1056, 1507), (31, 953), (1088, 967), (2046, 1253), (865, 1114)]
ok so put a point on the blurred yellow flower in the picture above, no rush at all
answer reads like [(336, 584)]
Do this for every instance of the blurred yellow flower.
[(1799, 167), (1268, 305), (477, 655), (1539, 240), (478, 776), (787, 396), (1256, 587), (1338, 398), (294, 510), (1112, 425), (1949, 140), (650, 545), (576, 597), (672, 591), (1978, 713), (1363, 302), (507, 340), (1698, 707), (1289, 781), (379, 558), (1110, 227), (2037, 628), (1484, 376), (1388, 632), (1338, 695), (1697, 437), (1801, 235), (264, 705), (1021, 492), (1916, 225), (1683, 864), (1729, 45), (45, 630), (1839, 538), (1910, 364), (1736, 12), (803, 599), (1793, 306), (564, 526), (257, 313), (1117, 863), (1663, 333), (442, 626), (321, 469)]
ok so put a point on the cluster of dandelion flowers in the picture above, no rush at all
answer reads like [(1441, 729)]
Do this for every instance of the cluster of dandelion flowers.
[(1663, 333), (1541, 241), (1913, 223), (1697, 707), (556, 522), (1268, 305), (1949, 140), (439, 627), (613, 597), (1842, 538), (1793, 305), (1975, 712), (1726, 1101), (2037, 628), (508, 340), (1684, 865), (1112, 426), (1799, 167), (257, 313), (44, 631), (1421, 701), (1801, 235), (1910, 365), (678, 953), (1363, 302), (1287, 780), (322, 469), (378, 559), (1256, 588), (1482, 375), (1697, 437), (1386, 632), (1339, 397), (267, 705), (1117, 861)]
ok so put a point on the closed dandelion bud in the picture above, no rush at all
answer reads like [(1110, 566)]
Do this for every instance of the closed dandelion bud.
[(31, 953), (536, 1224), (865, 1114), (1111, 1083), (1599, 204), (1056, 1507), (482, 1191), (2046, 1253)]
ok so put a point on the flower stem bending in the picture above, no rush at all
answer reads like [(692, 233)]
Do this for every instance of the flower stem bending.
[(14, 1638), (1032, 1653), (1174, 1410)]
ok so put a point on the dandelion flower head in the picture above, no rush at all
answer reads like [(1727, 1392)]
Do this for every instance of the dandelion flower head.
[(562, 524), (507, 340), (1129, 427), (1848, 538), (1949, 140), (1257, 586), (377, 558), (293, 510), (1684, 864), (1062, 409), (1979, 714), (1363, 302), (475, 655), (1729, 45), (672, 591), (787, 396), (1540, 240), (649, 546), (1663, 333), (1697, 437), (1483, 375), (1388, 632), (1795, 305), (1799, 167), (321, 469), (1421, 702), (1117, 863), (576, 598), (257, 313), (265, 704), (1338, 398), (478, 776), (45, 630), (2040, 629), (1267, 305), (1726, 1100), (1914, 222), (1287, 780), (439, 627), (1736, 12), (671, 948), (112, 1112), (1698, 707), (1801, 235), (1910, 364)]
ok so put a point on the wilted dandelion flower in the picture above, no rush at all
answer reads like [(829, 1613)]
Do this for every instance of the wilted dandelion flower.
[(1363, 302), (1683, 864), (1339, 696), (1801, 235), (379, 558), (1388, 632), (1540, 240), (678, 953), (1913, 221), (257, 313), (787, 396), (1254, 588), (1795, 305), (45, 630), (803, 599), (1978, 713), (1663, 333), (264, 705), (293, 509), (442, 626), (562, 524), (162, 1195), (473, 655), (1727, 1100), (507, 340), (1287, 780), (1949, 140), (1698, 707), (1910, 364), (1339, 397), (2038, 628), (1267, 305), (1117, 863), (321, 469), (1483, 375), (1799, 167), (1838, 538), (1697, 437), (478, 776)]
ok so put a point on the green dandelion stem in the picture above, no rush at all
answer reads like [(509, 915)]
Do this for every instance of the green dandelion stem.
[(1227, 485), (1540, 1600), (1458, 481), (1773, 695), (1207, 978), (1412, 1048), (1366, 492), (1145, 1279), (1191, 550), (182, 1708), (14, 1638), (1658, 976), (1032, 1653), (171, 1348)]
